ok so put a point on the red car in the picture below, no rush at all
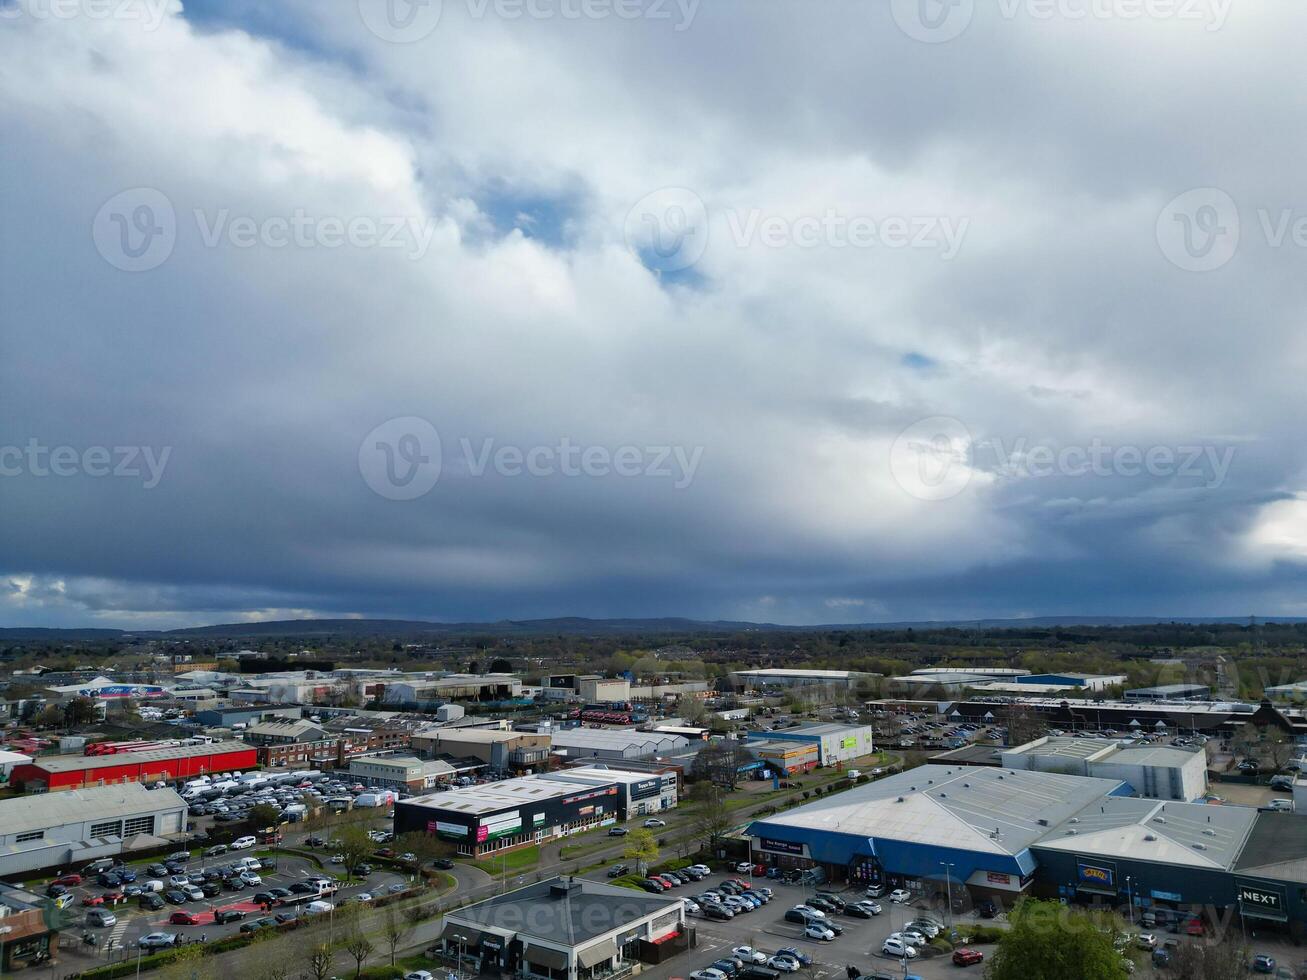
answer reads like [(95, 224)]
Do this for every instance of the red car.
[(68, 880), (759, 870), (93, 900), (1194, 927), (967, 957), (741, 882), (114, 896), (184, 919)]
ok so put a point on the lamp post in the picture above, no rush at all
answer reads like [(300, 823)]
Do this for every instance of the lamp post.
[(1130, 899), (948, 886)]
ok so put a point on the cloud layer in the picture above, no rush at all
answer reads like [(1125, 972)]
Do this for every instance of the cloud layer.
[(787, 311)]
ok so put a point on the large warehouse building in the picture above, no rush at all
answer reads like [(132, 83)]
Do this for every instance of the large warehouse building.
[(58, 830), (1158, 772), (492, 817), (60, 772), (833, 743), (931, 825)]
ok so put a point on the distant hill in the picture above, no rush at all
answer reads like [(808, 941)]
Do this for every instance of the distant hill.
[(581, 626)]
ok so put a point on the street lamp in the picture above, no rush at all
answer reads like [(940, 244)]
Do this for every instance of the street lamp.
[(1130, 899), (948, 885)]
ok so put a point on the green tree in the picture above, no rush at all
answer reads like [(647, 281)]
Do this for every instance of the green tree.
[(265, 815), (1051, 941), (80, 711), (642, 848), (712, 820), (1217, 961), (355, 847)]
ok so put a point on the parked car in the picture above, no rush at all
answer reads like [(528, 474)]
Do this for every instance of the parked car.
[(101, 918), (653, 822), (748, 954), (180, 918), (617, 831), (898, 949), (157, 940), (1263, 963), (818, 931), (242, 843), (617, 870), (150, 902), (783, 963), (223, 916), (900, 895)]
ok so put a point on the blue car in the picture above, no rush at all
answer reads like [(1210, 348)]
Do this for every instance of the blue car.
[(794, 953), (126, 875)]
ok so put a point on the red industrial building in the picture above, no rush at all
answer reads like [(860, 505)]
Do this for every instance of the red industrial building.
[(56, 772)]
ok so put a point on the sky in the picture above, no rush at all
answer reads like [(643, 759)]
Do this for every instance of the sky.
[(800, 312)]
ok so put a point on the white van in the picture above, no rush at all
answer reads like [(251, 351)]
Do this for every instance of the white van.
[(1282, 806)]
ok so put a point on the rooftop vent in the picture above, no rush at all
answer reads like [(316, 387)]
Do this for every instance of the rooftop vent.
[(899, 800), (1159, 819), (1200, 847), (1072, 832), (1150, 837), (1042, 822), (1209, 832), (1074, 820)]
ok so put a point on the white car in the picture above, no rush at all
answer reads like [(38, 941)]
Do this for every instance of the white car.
[(1146, 940), (250, 878), (702, 869), (748, 954), (897, 949), (193, 893), (363, 897), (743, 868), (655, 822), (783, 963), (810, 912), (1282, 805), (690, 905), (316, 907), (816, 930), (242, 843), (909, 937), (419, 975), (338, 859), (708, 973), (900, 895)]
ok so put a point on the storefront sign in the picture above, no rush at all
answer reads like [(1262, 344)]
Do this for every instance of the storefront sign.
[(849, 743), (1096, 876), (998, 878), (779, 846), (645, 788), (1260, 899), (1166, 896), (450, 829), (502, 825)]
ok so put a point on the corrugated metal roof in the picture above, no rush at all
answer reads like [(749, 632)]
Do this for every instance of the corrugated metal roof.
[(46, 810), (75, 763)]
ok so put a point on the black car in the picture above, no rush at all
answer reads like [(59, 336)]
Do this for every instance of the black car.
[(857, 911), (822, 904), (215, 850), (649, 885), (157, 871), (265, 898), (173, 897), (223, 916), (444, 864), (363, 870), (617, 870), (715, 911), (211, 889), (794, 915), (617, 831), (759, 973), (150, 901), (54, 891), (281, 918), (233, 884), (834, 900), (304, 888), (257, 924), (280, 894), (314, 841)]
